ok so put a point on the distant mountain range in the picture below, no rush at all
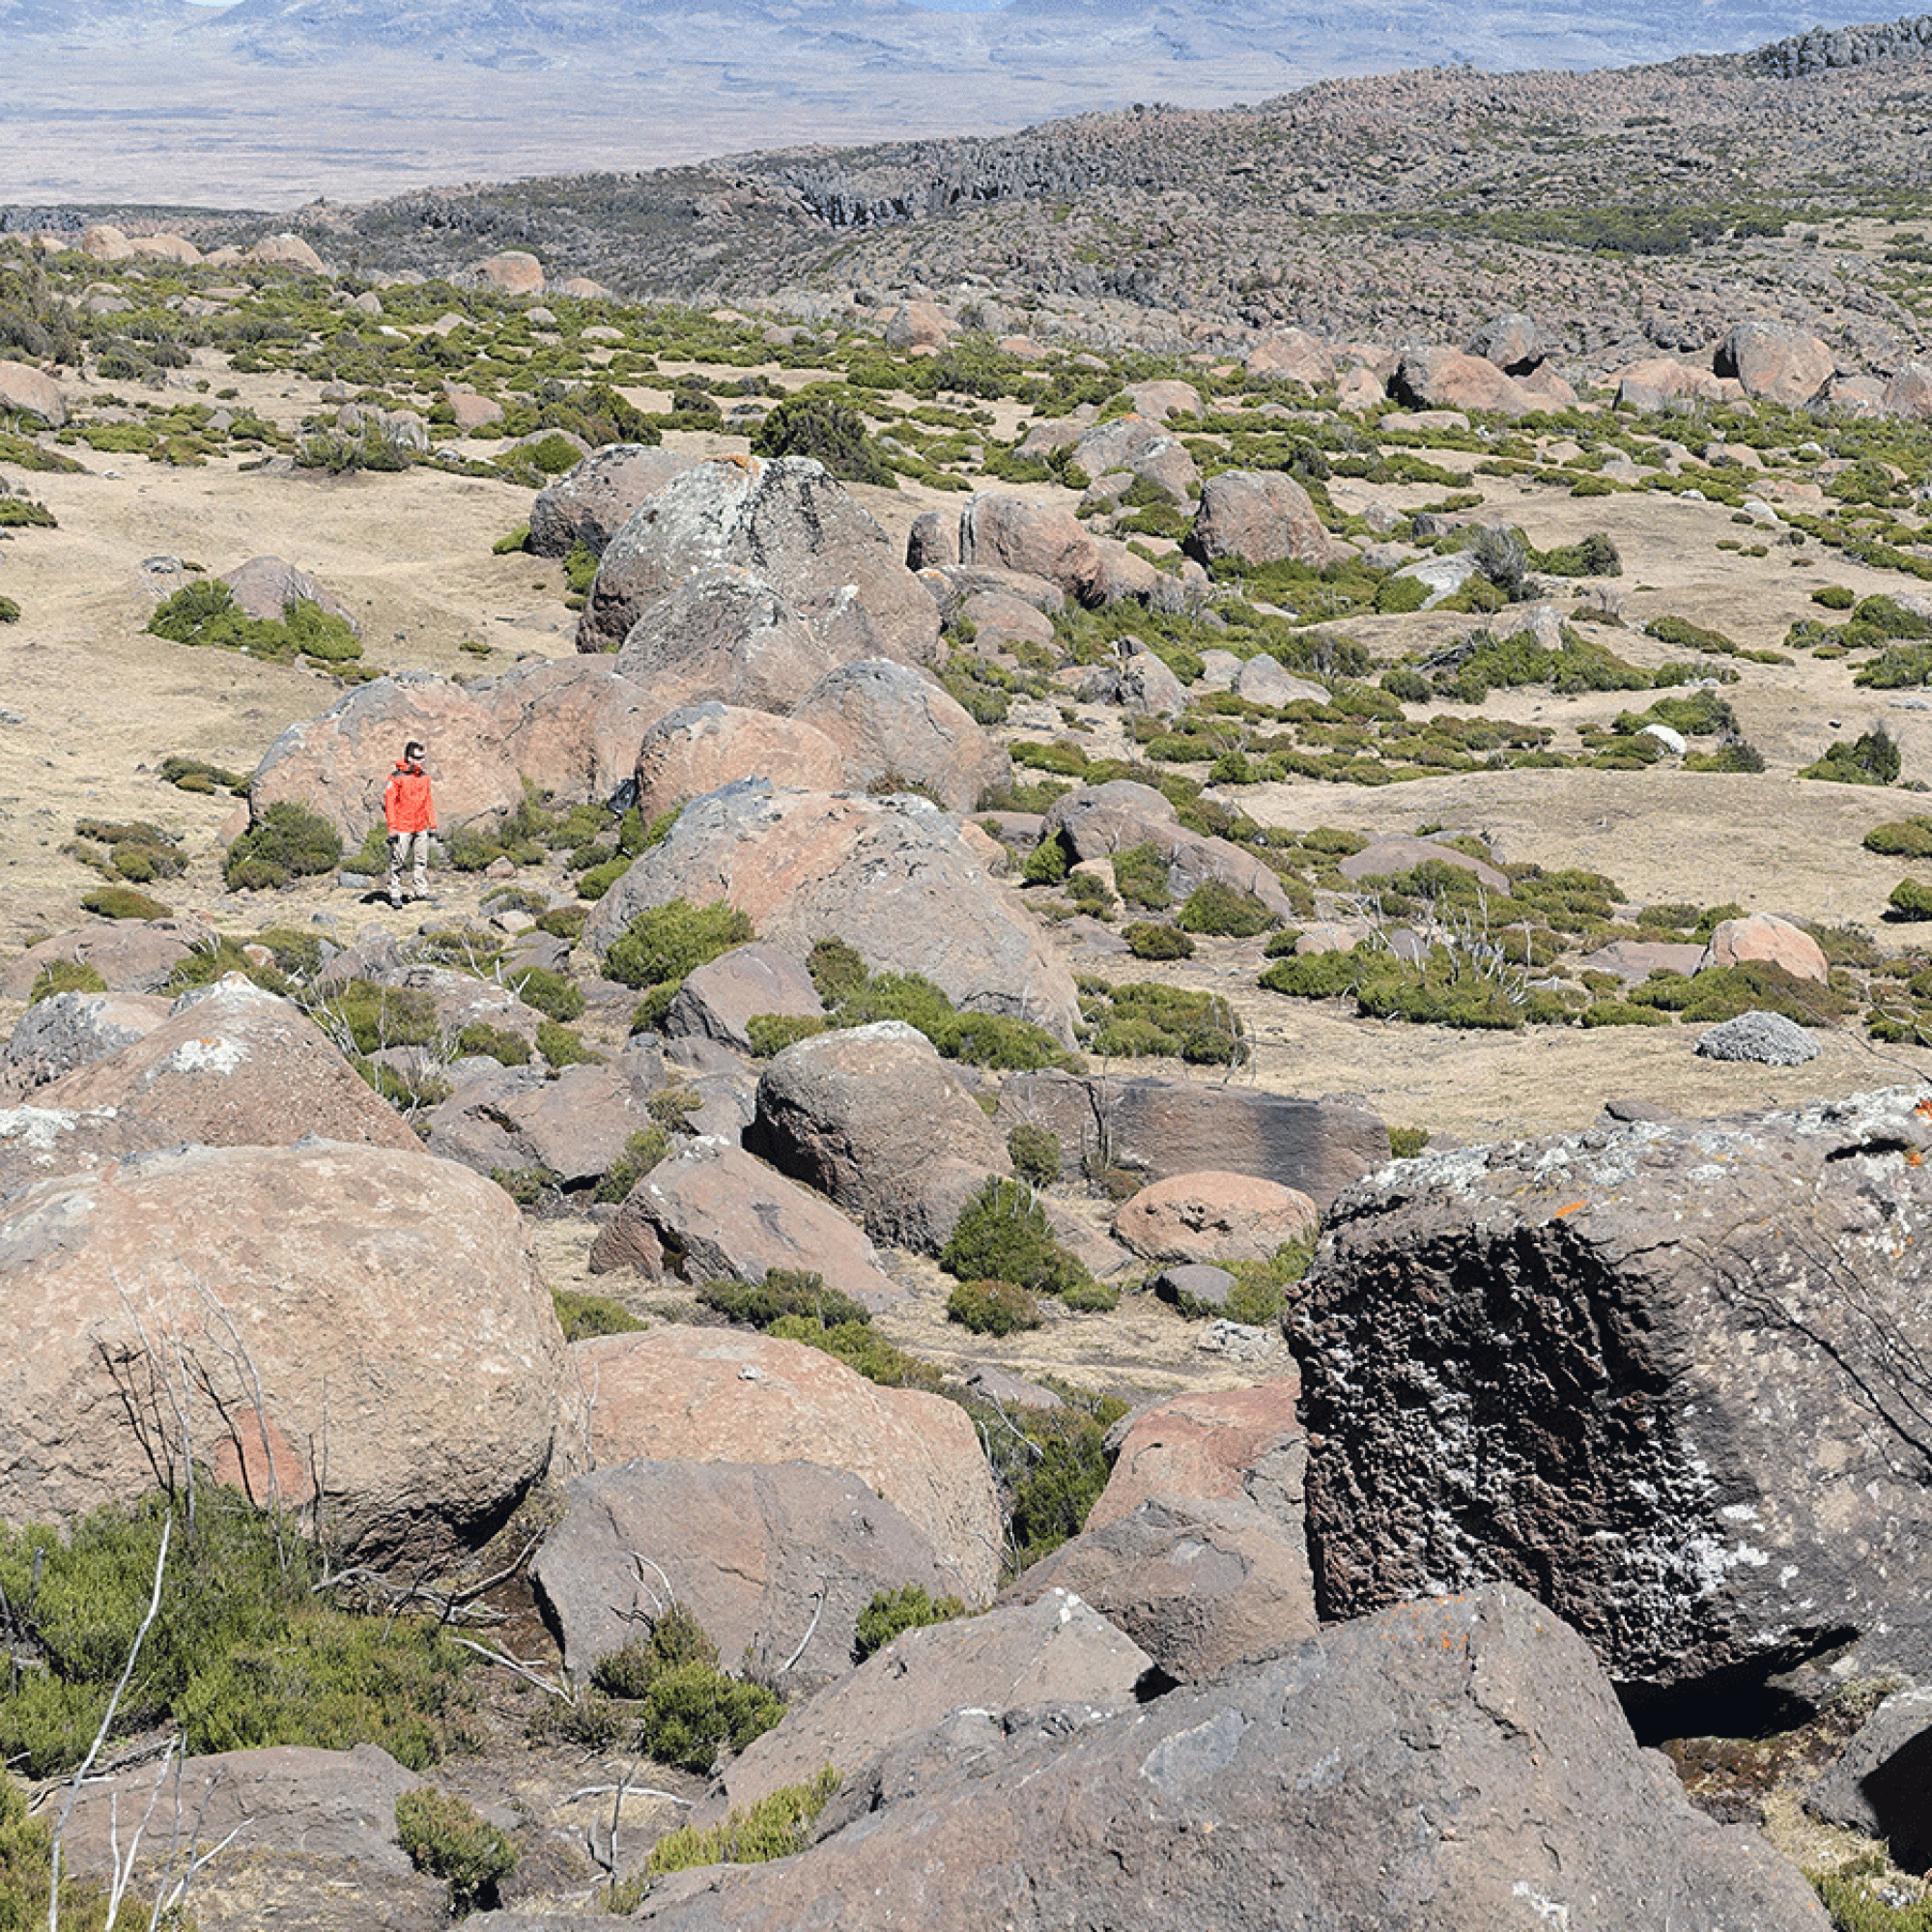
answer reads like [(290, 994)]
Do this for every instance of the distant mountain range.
[(269, 102)]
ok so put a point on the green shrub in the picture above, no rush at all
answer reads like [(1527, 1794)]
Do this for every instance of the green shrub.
[(665, 943), (863, 1349), (1903, 838), (27, 1878), (581, 1315), (770, 1034), (554, 994), (561, 1047), (1910, 899), (1215, 907), (799, 1294), (1035, 1152), (1872, 758), (287, 841), (122, 902), (375, 1017), (488, 1043), (448, 1838), (693, 1711), (992, 1307), (836, 970), (1051, 1502), (673, 1643), (1048, 862), (1155, 939), (1003, 1235), (828, 431), (598, 880), (892, 1612), (776, 1827), (1834, 597), (1406, 1142), (65, 975), (642, 1152), (1139, 876)]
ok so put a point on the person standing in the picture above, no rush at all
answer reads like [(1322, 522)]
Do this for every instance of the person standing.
[(410, 812)]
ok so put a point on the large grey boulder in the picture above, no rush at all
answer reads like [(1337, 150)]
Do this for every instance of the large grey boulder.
[(873, 1118), (568, 726), (1777, 361), (1667, 1376), (1453, 1766), (1880, 1781), (265, 586), (700, 747), (66, 1031), (725, 634), (787, 519), (719, 999), (895, 877), (1161, 1127), (592, 502), (1259, 516), (132, 956), (776, 1562)]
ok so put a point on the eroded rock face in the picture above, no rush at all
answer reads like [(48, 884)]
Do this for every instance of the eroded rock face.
[(1777, 361), (725, 634), (1472, 1715), (359, 1332), (787, 520), (892, 876), (66, 1031), (890, 720), (775, 1562), (593, 502), (1664, 1373), (697, 748), (724, 1395), (1259, 516)]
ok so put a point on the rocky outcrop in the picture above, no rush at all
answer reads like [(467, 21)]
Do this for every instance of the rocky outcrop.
[(719, 1000), (592, 502), (1768, 937), (891, 877), (725, 1395), (790, 522), (265, 586), (1470, 1715), (132, 956), (66, 1031), (359, 1333), (1214, 1217), (725, 634), (1776, 362), (1666, 1376), (874, 1119), (697, 748)]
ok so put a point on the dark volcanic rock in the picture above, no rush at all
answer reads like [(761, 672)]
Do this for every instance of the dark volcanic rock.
[(1665, 1375)]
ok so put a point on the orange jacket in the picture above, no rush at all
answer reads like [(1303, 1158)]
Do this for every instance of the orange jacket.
[(407, 806)]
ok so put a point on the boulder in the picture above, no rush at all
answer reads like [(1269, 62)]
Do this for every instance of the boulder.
[(1259, 516), (723, 634), (1291, 356), (1192, 1286), (719, 1000), (1139, 450), (37, 1141), (1211, 1444), (872, 1117), (889, 720), (918, 325), (1163, 397), (590, 504), (66, 1031), (1262, 679), (1909, 392), (711, 1210), (1655, 382), (1051, 1652), (933, 541), (1456, 1764), (1665, 1373), (265, 586), (1879, 1782), (337, 764), (1777, 361), (471, 410), (1160, 1127), (1203, 1587), (891, 877), (283, 1813), (776, 1562), (1139, 683), (697, 748), (803, 532), (284, 251), (25, 391), (1002, 619), (1036, 537), (1765, 936), (359, 1332), (1634, 961), (725, 1395), (513, 271), (1446, 379), (568, 726), (1766, 1040), (233, 1065), (574, 1123), (1514, 343), (133, 956), (1214, 1217)]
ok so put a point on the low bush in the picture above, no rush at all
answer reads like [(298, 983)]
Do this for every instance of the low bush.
[(992, 1307), (892, 1612), (665, 944), (694, 1711), (1140, 877), (1155, 939), (122, 903), (1215, 907), (1035, 1152), (1872, 758), (451, 1840), (1002, 1235), (642, 1152), (770, 1034), (65, 975), (581, 1315), (799, 1294), (776, 1826), (1902, 838), (288, 841)]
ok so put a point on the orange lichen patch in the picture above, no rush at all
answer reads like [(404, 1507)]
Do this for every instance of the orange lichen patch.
[(1914, 1158), (1924, 1107), (1572, 1208)]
